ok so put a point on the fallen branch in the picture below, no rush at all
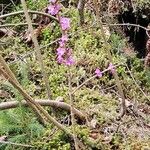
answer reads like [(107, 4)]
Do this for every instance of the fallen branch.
[(52, 103)]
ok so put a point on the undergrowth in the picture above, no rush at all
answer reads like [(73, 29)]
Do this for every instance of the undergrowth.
[(98, 98)]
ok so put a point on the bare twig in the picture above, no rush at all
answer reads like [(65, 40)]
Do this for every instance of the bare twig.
[(7, 69), (13, 4), (122, 123), (16, 144), (5, 8), (7, 73), (130, 24), (15, 25), (29, 11), (37, 47), (136, 83), (72, 111), (30, 53), (81, 5)]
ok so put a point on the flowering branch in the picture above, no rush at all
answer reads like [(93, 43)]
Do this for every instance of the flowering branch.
[(123, 105), (98, 73), (64, 55)]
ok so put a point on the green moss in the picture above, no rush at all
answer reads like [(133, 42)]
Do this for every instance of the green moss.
[(98, 97)]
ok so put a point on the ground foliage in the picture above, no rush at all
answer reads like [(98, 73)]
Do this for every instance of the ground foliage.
[(98, 98)]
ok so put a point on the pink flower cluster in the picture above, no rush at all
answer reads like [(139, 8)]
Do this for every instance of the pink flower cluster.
[(99, 73), (54, 9), (64, 54)]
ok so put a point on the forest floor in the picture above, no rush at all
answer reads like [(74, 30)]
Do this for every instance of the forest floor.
[(97, 99)]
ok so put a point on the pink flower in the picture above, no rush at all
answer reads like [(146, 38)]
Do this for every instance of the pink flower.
[(98, 73), (111, 67), (61, 43), (63, 40), (52, 1), (60, 59), (65, 23), (69, 51), (54, 9), (60, 51), (70, 61)]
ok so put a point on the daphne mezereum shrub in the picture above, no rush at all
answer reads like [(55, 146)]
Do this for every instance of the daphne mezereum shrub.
[(64, 53)]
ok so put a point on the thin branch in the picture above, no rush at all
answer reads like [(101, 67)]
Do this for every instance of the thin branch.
[(91, 78), (72, 111), (130, 24), (37, 47), (19, 24), (42, 102), (13, 3), (136, 83), (29, 11), (108, 50), (7, 69), (16, 144), (30, 53), (5, 8), (81, 5)]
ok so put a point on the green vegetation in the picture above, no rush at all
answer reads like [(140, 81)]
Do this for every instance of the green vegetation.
[(98, 98)]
